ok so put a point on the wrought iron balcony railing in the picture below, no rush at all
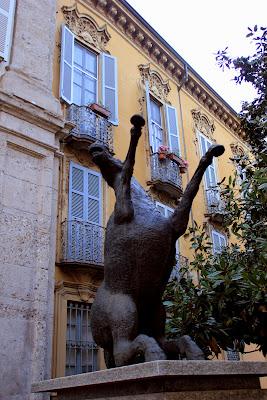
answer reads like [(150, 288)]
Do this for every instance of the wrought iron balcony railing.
[(181, 262), (165, 175), (89, 126), (215, 204), (82, 243)]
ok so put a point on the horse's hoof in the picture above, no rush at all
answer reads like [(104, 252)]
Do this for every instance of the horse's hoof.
[(137, 120), (216, 150)]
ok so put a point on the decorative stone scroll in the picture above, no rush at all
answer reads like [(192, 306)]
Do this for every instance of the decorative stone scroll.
[(202, 123), (237, 150), (157, 85), (86, 28)]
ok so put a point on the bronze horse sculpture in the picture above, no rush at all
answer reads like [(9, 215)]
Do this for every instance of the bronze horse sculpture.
[(128, 317)]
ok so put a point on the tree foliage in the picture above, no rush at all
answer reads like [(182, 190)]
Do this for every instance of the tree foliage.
[(228, 306)]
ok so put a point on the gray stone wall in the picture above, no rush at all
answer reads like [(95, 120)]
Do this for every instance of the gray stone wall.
[(30, 124)]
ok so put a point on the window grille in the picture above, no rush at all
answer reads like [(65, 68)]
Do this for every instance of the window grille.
[(232, 355), (81, 351)]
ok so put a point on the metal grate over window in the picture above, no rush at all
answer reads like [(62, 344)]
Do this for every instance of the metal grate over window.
[(81, 351), (232, 355)]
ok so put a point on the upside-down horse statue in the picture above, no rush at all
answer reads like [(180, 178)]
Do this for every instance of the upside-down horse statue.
[(128, 317)]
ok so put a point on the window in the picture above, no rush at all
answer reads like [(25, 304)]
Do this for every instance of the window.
[(85, 202), (84, 76), (81, 350), (210, 176), (162, 124), (84, 72), (219, 242), (7, 10), (156, 125)]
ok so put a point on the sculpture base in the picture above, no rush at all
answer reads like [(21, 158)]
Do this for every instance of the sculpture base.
[(164, 380)]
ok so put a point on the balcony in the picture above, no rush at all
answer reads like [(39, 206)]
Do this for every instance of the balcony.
[(82, 243), (165, 176), (88, 128), (215, 205)]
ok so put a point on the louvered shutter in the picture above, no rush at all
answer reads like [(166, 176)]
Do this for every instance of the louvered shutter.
[(94, 205), (148, 114), (7, 9), (210, 173), (172, 128), (77, 193), (219, 242), (110, 86), (66, 65)]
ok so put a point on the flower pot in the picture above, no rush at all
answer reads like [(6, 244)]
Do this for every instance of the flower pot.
[(99, 110), (162, 156)]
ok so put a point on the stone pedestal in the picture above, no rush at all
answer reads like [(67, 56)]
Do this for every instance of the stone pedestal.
[(164, 380)]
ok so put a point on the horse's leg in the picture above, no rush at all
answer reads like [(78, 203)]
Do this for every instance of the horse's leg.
[(180, 216), (124, 211)]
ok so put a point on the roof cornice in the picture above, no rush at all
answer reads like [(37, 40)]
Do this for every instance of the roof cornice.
[(131, 24)]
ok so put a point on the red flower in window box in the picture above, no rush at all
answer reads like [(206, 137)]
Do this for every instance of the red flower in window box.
[(99, 110)]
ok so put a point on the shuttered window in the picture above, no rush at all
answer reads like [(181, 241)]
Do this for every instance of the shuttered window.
[(218, 241), (156, 125), (66, 65), (210, 173), (85, 197), (162, 124), (84, 76), (172, 128), (79, 78), (110, 86), (7, 9)]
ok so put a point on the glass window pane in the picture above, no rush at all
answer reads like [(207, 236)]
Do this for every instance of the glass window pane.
[(78, 55), (155, 112), (90, 63), (89, 98), (77, 95), (90, 84), (77, 77)]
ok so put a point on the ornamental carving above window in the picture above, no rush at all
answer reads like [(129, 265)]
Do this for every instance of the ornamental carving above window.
[(86, 28), (237, 150), (157, 85), (202, 123)]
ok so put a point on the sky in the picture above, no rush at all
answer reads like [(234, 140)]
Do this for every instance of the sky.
[(198, 29)]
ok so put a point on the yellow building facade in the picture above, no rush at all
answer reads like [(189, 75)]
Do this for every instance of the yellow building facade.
[(108, 57)]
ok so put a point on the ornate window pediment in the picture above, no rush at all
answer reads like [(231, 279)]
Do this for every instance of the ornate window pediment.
[(202, 123), (86, 28), (237, 150), (157, 85)]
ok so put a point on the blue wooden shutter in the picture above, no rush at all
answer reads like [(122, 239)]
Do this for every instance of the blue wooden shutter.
[(94, 200), (7, 9), (66, 65), (148, 114), (172, 128), (219, 242), (77, 193), (110, 86), (210, 173)]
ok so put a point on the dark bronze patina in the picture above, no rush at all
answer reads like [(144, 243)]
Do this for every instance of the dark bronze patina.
[(128, 317)]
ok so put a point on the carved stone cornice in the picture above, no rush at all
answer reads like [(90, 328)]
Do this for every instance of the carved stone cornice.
[(131, 26), (85, 292), (202, 123), (157, 85), (86, 28)]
